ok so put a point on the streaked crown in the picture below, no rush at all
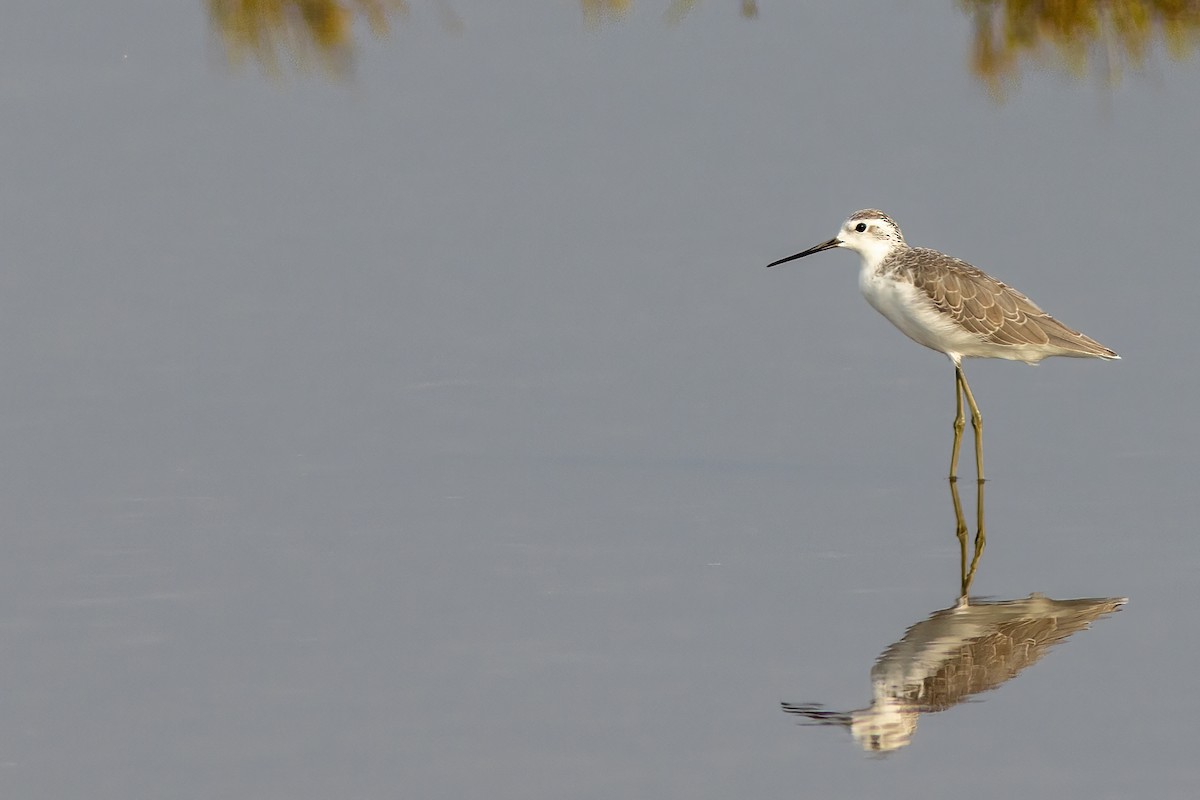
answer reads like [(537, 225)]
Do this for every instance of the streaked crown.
[(876, 225)]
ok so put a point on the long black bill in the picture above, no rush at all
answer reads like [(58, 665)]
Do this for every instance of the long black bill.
[(834, 242)]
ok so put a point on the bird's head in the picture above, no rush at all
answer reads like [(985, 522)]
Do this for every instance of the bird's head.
[(870, 233)]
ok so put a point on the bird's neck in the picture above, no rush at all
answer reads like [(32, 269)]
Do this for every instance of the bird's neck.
[(874, 255)]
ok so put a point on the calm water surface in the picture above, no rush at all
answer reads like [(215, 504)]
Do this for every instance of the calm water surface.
[(422, 422)]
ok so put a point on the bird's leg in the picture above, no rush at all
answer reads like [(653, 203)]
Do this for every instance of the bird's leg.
[(976, 423), (959, 422)]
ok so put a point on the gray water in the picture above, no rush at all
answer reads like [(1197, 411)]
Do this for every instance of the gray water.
[(437, 432)]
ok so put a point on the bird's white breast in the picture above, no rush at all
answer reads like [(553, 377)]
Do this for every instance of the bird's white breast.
[(911, 310)]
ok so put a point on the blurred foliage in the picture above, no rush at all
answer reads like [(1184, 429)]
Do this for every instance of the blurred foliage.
[(320, 33), (1079, 33), (309, 32), (597, 12), (1116, 34), (680, 8)]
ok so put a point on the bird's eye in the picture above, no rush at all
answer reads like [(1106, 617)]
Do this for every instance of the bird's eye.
[(860, 227)]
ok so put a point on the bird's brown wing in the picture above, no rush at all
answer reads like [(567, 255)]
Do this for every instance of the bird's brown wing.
[(992, 310)]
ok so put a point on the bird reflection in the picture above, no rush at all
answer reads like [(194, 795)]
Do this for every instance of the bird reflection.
[(957, 652)]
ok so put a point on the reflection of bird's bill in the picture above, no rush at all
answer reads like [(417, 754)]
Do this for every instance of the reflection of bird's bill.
[(881, 728), (834, 242), (816, 714)]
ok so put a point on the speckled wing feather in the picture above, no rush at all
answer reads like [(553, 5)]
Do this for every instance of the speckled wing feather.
[(1012, 635), (994, 311)]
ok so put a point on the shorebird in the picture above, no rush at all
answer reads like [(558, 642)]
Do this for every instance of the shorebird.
[(951, 307)]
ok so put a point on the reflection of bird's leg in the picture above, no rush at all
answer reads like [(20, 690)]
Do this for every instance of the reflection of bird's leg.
[(976, 423), (981, 531), (958, 423), (960, 530), (967, 574), (980, 538)]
